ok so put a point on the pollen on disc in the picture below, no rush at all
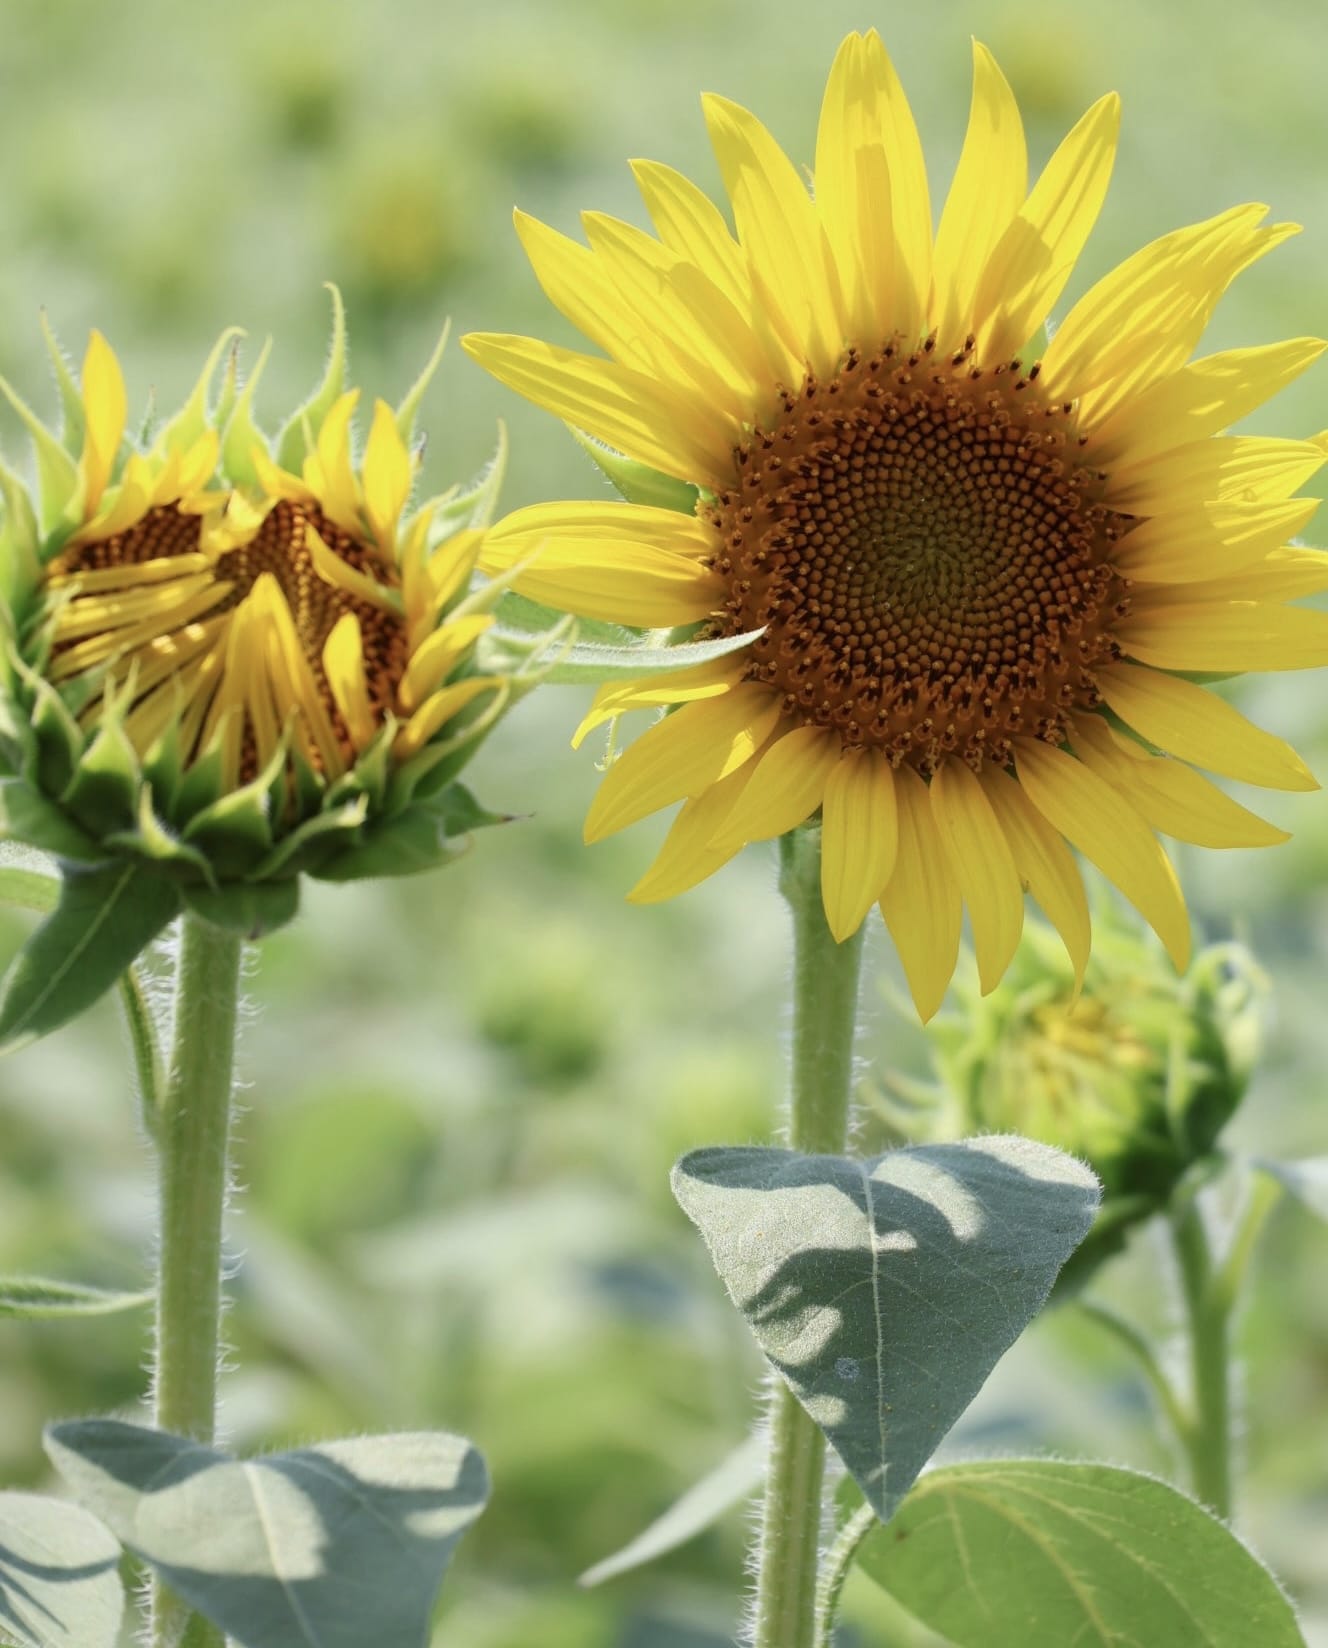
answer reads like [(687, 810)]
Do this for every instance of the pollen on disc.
[(923, 544)]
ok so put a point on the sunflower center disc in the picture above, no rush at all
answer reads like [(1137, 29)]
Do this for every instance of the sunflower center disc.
[(191, 630), (923, 545)]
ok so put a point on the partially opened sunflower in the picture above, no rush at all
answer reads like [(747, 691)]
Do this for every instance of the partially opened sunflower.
[(984, 569), (231, 661)]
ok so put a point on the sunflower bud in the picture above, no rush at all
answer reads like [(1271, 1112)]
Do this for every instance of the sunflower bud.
[(1137, 1072), (228, 662)]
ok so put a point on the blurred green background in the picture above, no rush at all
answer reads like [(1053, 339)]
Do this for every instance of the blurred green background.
[(463, 1095)]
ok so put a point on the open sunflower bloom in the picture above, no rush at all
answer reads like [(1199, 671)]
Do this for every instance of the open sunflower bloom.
[(984, 570), (232, 660)]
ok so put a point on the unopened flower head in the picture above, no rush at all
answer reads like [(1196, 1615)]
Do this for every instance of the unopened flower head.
[(1137, 1069), (984, 568), (235, 659)]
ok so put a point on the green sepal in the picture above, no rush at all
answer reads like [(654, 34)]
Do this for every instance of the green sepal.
[(102, 795), (74, 418), (456, 511), (151, 841), (293, 442), (200, 787), (57, 738), (588, 663), (57, 473), (524, 617), (313, 841), (638, 482), (409, 409), (242, 433), (104, 919), (235, 831), (27, 816), (371, 773), (192, 419), (252, 909), (419, 839), (20, 562), (431, 768), (163, 768)]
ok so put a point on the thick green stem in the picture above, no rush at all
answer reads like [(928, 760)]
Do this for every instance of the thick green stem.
[(825, 1006), (192, 1136)]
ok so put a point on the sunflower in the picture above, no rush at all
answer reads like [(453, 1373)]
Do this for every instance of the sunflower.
[(237, 659), (985, 568)]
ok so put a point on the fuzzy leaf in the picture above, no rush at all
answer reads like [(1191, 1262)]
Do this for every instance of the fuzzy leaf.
[(104, 919), (28, 889), (637, 482), (36, 1296), (29, 817), (885, 1291), (1047, 1554), (292, 443), (59, 1575), (333, 1546), (731, 1481)]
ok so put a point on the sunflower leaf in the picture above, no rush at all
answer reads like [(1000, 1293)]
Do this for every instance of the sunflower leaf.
[(37, 1296), (28, 817), (1043, 1553), (59, 1575), (885, 1291), (103, 920), (331, 1546)]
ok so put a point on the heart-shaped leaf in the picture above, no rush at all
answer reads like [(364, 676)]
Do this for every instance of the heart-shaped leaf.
[(885, 1291), (1046, 1554), (59, 1575), (333, 1546)]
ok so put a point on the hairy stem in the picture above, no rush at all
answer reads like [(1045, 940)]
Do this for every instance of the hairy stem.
[(192, 1136), (825, 1005)]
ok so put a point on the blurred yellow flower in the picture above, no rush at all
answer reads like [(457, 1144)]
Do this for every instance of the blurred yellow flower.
[(982, 578)]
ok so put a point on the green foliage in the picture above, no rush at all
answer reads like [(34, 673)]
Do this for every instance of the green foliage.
[(59, 1575), (332, 1546), (1044, 1554), (37, 1296), (884, 1292), (1306, 1180), (104, 919)]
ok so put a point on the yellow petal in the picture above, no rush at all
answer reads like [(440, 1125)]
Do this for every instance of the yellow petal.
[(693, 226), (1222, 636), (1035, 256), (989, 186), (1045, 864), (1192, 723), (1249, 468), (343, 665), (106, 407), (440, 654), (577, 284), (910, 204), (647, 420), (921, 904), (1091, 815), (683, 755), (859, 838), (342, 575), (1211, 538), (387, 477), (328, 472), (778, 230), (680, 687), (620, 582), (1145, 318), (980, 856), (435, 712), (519, 533), (785, 788), (1201, 399), (690, 854), (1284, 574)]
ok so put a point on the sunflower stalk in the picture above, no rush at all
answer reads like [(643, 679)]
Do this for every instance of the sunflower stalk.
[(193, 1137), (825, 1007)]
